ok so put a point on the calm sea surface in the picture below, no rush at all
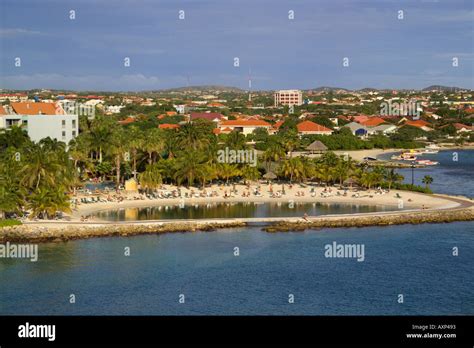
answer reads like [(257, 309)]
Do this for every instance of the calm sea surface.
[(414, 260)]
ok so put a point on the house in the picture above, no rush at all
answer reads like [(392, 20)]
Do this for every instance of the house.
[(462, 128), (243, 125), (383, 128), (421, 124), (372, 122), (210, 116), (41, 120), (357, 129), (311, 128)]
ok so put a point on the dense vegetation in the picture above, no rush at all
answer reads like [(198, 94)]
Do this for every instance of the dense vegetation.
[(40, 177)]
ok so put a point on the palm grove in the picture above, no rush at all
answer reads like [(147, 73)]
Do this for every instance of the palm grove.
[(41, 177)]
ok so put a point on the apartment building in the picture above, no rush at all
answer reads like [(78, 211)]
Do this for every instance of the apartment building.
[(41, 120), (288, 97)]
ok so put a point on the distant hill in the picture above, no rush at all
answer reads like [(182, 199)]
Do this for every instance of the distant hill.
[(368, 89), (329, 89), (439, 88), (215, 88)]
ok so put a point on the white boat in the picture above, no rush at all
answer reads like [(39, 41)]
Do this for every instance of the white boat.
[(431, 149), (427, 162), (430, 152)]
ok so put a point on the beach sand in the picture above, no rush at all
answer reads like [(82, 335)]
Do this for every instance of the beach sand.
[(409, 200)]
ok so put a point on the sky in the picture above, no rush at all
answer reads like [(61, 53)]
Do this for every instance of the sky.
[(277, 52)]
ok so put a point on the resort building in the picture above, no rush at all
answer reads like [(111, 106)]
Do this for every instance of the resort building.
[(243, 126), (311, 128), (288, 97), (41, 120)]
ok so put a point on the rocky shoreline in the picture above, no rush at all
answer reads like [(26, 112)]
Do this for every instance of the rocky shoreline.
[(419, 217), (63, 232), (45, 234)]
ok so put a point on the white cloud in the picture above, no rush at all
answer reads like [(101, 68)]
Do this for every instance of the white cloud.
[(12, 32)]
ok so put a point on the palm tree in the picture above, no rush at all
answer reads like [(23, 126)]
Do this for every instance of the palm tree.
[(135, 141), (40, 167), (227, 171), (153, 143), (151, 178), (235, 140), (392, 177), (191, 136), (100, 134), (46, 202), (189, 167), (250, 173), (118, 149), (274, 153), (427, 180), (293, 168)]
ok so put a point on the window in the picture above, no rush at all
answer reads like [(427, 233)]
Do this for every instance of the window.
[(73, 133), (63, 122), (64, 135), (73, 123)]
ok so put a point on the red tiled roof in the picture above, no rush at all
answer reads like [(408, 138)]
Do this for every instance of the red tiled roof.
[(128, 120), (37, 109), (278, 124), (2, 111), (245, 123), (309, 126), (168, 126), (217, 105), (417, 123), (360, 118), (372, 122), (206, 115), (459, 126)]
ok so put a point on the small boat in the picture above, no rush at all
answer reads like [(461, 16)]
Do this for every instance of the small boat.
[(414, 153), (427, 162), (403, 157)]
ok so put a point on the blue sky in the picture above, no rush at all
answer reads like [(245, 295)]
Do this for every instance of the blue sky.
[(88, 53)]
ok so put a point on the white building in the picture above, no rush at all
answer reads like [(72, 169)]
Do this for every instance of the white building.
[(41, 120), (244, 126), (288, 97)]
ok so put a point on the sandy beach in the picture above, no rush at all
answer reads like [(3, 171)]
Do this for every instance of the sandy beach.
[(308, 194)]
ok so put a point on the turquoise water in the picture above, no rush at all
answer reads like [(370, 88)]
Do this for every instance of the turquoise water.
[(453, 174), (414, 260)]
